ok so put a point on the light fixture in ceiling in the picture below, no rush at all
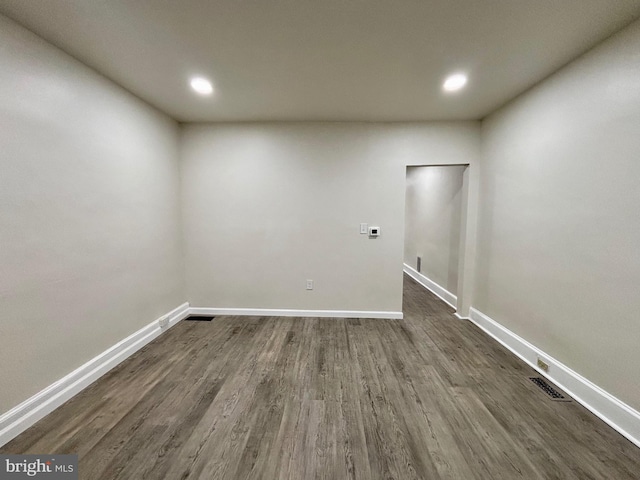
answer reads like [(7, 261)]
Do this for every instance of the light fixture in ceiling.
[(454, 82), (201, 86)]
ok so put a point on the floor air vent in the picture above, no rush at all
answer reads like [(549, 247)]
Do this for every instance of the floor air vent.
[(199, 318), (549, 390)]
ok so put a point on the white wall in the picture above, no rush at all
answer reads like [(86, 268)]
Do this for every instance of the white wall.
[(90, 237), (559, 223), (433, 216), (267, 206)]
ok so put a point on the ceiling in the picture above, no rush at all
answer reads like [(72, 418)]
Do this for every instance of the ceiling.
[(368, 60)]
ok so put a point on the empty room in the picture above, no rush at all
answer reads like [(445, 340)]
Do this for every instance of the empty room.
[(295, 239)]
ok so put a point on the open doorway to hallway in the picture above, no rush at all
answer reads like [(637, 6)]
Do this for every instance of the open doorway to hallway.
[(434, 227)]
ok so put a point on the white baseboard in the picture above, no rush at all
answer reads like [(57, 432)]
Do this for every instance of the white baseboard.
[(272, 312), (444, 295), (21, 417), (460, 317), (616, 413)]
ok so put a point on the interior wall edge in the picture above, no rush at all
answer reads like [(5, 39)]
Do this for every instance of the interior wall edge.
[(439, 291), (617, 414), (27, 413), (286, 312)]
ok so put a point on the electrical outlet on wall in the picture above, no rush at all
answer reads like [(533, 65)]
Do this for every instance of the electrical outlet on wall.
[(309, 284), (543, 365), (163, 322)]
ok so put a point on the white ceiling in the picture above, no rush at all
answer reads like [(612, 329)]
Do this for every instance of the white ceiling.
[(372, 60)]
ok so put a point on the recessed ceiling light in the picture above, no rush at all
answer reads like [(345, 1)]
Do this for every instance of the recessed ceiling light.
[(454, 82), (202, 86)]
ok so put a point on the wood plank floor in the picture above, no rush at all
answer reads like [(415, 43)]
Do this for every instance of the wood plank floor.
[(427, 397)]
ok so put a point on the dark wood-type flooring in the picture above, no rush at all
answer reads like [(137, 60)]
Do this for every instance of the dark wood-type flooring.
[(426, 397)]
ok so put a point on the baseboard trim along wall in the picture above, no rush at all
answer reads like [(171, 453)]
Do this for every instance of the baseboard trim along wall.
[(445, 295), (272, 312), (608, 408), (21, 417)]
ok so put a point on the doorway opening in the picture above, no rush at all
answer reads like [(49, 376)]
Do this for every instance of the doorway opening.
[(435, 228)]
